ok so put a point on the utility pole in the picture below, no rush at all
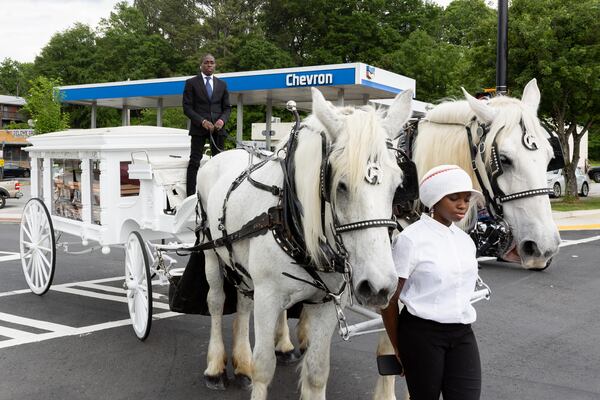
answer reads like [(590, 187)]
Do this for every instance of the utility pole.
[(502, 47)]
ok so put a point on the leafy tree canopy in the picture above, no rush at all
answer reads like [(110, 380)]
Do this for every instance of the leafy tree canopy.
[(43, 106)]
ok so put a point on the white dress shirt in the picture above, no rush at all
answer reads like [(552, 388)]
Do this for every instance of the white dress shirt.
[(440, 268)]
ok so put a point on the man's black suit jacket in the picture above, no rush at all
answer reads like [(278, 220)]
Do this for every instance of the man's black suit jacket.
[(197, 107)]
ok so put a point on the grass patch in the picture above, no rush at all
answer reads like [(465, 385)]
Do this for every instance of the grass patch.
[(594, 163), (589, 203)]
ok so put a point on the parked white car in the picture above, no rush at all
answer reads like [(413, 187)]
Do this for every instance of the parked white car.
[(556, 182)]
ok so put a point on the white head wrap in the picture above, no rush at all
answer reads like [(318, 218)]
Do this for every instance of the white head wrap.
[(444, 180)]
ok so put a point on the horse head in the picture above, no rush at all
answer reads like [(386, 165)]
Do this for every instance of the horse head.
[(363, 176), (517, 153)]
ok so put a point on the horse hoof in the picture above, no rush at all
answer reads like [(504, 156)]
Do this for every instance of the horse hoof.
[(287, 357), (218, 382), (243, 381)]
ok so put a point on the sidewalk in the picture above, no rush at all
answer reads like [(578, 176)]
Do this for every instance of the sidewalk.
[(577, 220), (566, 221)]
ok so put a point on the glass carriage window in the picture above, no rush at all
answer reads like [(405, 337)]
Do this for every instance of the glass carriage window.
[(66, 188), (95, 169), (129, 187), (40, 178)]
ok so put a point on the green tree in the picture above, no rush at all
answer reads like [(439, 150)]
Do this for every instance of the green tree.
[(70, 56), (172, 117), (558, 43), (14, 77), (128, 51), (43, 106), (472, 26), (433, 64), (177, 21), (255, 53)]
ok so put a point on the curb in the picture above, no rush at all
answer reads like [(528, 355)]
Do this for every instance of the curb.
[(589, 227), (570, 214)]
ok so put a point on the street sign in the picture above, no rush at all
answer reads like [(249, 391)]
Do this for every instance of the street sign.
[(1, 162)]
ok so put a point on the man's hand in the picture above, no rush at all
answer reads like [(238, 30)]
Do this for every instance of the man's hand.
[(219, 124), (206, 124)]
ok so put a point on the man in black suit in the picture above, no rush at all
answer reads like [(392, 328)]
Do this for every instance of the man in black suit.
[(206, 104)]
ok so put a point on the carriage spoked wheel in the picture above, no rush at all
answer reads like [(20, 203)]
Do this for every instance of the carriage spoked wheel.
[(37, 246), (138, 284)]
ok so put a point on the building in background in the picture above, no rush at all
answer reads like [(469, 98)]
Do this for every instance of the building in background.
[(10, 110), (12, 144)]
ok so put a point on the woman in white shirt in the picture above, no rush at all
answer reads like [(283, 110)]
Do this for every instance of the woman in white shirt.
[(437, 272)]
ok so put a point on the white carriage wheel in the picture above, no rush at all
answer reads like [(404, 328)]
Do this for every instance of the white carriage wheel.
[(37, 246), (138, 283)]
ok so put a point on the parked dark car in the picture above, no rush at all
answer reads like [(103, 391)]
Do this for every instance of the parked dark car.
[(594, 174), (16, 171)]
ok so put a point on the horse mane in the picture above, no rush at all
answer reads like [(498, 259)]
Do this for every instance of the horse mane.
[(442, 137), (361, 138)]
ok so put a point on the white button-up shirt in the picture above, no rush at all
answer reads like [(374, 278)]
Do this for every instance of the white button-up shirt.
[(440, 268)]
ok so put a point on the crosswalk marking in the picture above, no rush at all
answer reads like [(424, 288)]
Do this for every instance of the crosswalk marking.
[(112, 293)]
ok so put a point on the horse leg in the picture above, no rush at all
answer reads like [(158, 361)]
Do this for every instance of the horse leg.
[(215, 375), (321, 322), (302, 332), (385, 387), (284, 349), (242, 353), (266, 314)]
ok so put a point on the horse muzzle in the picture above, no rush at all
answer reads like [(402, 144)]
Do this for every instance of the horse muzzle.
[(532, 254), (367, 295)]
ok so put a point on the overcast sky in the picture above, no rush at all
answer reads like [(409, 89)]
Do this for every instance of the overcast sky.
[(27, 25)]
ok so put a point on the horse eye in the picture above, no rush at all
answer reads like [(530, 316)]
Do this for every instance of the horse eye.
[(505, 160), (342, 187)]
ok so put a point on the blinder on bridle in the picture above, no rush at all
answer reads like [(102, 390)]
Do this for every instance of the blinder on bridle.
[(410, 182), (558, 161)]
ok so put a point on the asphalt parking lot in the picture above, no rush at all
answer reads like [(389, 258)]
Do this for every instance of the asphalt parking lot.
[(537, 336)]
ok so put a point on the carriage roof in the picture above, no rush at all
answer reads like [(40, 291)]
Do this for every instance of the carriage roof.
[(122, 138)]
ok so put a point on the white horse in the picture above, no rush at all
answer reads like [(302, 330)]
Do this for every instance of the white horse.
[(442, 139), (357, 138)]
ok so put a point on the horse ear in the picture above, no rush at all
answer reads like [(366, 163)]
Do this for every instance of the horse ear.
[(398, 113), (531, 95), (326, 113), (480, 108)]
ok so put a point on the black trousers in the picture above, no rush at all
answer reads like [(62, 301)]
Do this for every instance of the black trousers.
[(196, 153), (439, 358)]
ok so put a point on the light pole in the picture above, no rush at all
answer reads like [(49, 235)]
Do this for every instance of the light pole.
[(502, 47)]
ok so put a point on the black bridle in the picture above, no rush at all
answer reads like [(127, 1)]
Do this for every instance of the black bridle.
[(496, 238), (494, 195)]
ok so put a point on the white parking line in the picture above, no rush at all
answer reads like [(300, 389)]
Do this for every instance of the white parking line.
[(566, 243), (18, 337), (112, 289), (35, 323), (96, 295), (77, 331)]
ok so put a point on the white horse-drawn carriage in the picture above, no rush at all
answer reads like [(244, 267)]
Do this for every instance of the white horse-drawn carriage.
[(310, 225), (96, 184)]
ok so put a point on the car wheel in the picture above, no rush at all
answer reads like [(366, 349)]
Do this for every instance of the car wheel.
[(2, 201), (556, 190), (596, 177), (585, 189), (26, 174)]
